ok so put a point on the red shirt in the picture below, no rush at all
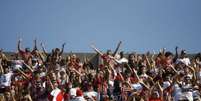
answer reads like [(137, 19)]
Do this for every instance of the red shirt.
[(66, 97), (155, 99), (106, 58)]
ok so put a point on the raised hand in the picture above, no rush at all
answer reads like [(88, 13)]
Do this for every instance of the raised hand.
[(176, 48), (19, 44), (63, 44)]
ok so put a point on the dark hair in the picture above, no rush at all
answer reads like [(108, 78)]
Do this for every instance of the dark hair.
[(27, 49), (117, 88), (167, 54), (122, 54), (129, 56), (198, 56), (109, 50)]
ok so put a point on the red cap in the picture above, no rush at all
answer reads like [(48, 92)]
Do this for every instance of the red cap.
[(79, 92)]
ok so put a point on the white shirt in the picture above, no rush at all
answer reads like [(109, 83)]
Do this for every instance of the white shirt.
[(186, 61), (111, 83), (143, 76), (166, 84), (188, 95), (122, 60), (177, 92), (5, 79), (42, 74), (73, 92), (91, 94), (137, 86), (16, 64), (199, 76), (80, 98)]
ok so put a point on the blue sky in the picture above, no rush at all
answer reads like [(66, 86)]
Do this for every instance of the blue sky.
[(142, 25)]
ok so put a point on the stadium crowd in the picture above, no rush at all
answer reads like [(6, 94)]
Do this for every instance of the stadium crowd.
[(36, 75)]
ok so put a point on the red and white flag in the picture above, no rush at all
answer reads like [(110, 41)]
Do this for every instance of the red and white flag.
[(57, 95)]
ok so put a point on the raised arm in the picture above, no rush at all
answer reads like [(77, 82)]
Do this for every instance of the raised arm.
[(43, 48), (116, 50), (176, 54), (148, 62), (23, 73), (2, 55), (19, 45), (121, 76), (35, 45), (151, 79), (162, 51), (160, 90), (62, 49), (28, 67), (172, 67), (144, 85), (41, 57), (95, 49), (1, 68), (99, 52), (129, 68)]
